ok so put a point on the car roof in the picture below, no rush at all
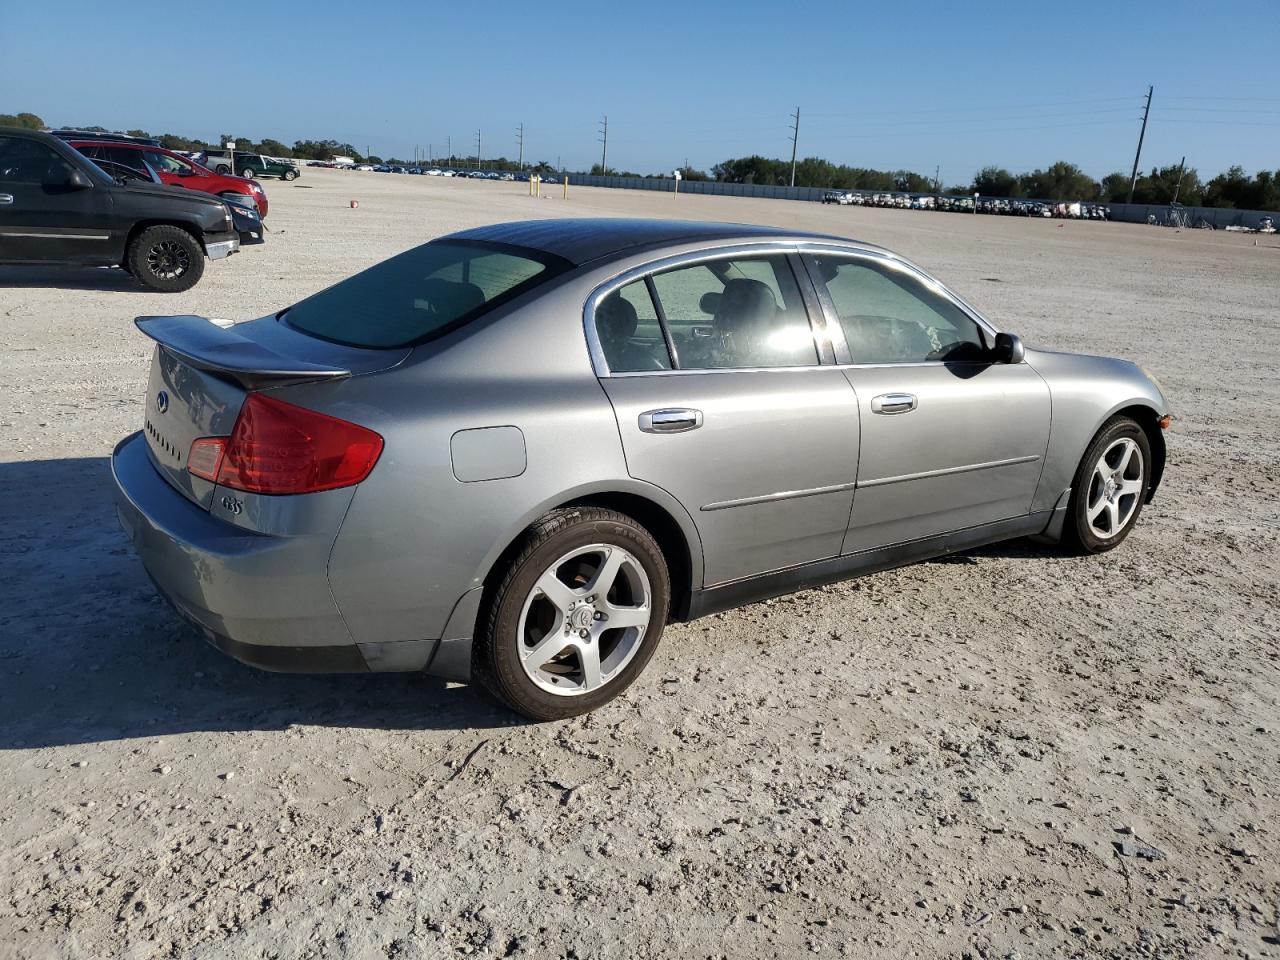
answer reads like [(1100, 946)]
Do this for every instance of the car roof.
[(580, 240)]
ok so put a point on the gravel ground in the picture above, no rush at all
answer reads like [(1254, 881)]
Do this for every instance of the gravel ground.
[(1007, 753)]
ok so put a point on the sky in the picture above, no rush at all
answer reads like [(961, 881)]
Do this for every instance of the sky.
[(924, 85)]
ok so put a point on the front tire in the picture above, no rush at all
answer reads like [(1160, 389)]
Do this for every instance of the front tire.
[(1110, 487), (165, 258), (576, 616), (290, 175)]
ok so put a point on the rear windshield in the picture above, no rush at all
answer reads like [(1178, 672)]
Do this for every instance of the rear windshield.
[(422, 293)]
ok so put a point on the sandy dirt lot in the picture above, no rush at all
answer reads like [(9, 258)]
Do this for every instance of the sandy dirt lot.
[(1006, 754)]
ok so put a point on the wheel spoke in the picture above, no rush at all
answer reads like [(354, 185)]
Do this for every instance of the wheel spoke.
[(1096, 509), (1113, 516), (1126, 455), (602, 582), (626, 617), (557, 591), (546, 648), (589, 657), (1130, 487)]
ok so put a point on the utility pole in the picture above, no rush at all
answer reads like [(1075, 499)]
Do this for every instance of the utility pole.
[(937, 170), (1133, 180), (604, 148), (1182, 168), (448, 145), (477, 148), (520, 141), (795, 138)]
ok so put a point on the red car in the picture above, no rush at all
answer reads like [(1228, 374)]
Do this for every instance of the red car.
[(175, 170)]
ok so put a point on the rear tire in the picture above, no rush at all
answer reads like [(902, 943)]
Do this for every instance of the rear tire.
[(165, 258), (575, 616), (1109, 488)]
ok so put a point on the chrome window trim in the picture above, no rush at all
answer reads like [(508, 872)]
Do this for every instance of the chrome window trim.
[(690, 258), (893, 262)]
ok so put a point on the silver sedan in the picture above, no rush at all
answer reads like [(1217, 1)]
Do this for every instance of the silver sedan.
[(515, 453)]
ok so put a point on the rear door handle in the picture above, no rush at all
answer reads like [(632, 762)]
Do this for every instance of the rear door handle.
[(675, 420), (6, 198), (891, 403)]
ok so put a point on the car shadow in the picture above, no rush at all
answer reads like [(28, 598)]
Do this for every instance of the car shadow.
[(89, 652), (1021, 549), (106, 279)]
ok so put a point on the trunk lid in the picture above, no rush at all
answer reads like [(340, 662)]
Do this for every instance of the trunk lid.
[(202, 370)]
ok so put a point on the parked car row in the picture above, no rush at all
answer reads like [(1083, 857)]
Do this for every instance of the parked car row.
[(1075, 210), (502, 175), (59, 206)]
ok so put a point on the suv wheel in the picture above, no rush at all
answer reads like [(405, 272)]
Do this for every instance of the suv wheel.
[(290, 175), (576, 616), (166, 258), (222, 168)]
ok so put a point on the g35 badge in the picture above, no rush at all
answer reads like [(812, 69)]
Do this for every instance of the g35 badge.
[(232, 505)]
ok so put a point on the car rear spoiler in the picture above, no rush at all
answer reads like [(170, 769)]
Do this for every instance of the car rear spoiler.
[(206, 345)]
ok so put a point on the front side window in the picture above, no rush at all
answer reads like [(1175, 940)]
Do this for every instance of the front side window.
[(889, 316), (164, 163), (26, 161), (421, 294), (738, 313), (629, 332)]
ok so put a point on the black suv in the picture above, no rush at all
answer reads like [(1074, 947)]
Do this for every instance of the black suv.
[(56, 206)]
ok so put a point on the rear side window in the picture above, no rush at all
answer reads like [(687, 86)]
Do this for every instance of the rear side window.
[(26, 161), (629, 332), (422, 293)]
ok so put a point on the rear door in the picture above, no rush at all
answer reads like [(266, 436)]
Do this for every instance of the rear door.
[(713, 370), (42, 217), (950, 439)]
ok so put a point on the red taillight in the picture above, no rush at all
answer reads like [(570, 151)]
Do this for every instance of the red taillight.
[(276, 447)]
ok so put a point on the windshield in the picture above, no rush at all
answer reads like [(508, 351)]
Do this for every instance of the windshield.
[(422, 293)]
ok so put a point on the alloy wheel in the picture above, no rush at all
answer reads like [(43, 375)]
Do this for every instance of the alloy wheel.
[(584, 620), (1115, 488), (168, 260)]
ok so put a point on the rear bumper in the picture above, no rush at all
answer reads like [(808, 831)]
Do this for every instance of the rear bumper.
[(220, 245), (264, 600)]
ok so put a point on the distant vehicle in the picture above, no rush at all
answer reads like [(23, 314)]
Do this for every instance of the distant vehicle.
[(397, 170), (382, 168), (364, 166), (255, 165), (319, 490), (344, 161), (841, 197), (434, 172), (57, 206), (174, 169), (100, 135)]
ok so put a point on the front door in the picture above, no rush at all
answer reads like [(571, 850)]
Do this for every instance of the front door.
[(714, 376), (950, 439), (42, 216)]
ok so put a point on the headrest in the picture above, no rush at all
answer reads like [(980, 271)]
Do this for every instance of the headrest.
[(616, 318), (744, 303), (451, 298)]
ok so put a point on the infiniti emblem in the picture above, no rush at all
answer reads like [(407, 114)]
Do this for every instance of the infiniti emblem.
[(162, 401)]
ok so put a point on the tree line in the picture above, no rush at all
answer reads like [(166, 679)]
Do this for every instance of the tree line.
[(1058, 181)]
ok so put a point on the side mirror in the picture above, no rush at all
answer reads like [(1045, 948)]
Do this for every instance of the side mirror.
[(78, 181), (1008, 348)]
